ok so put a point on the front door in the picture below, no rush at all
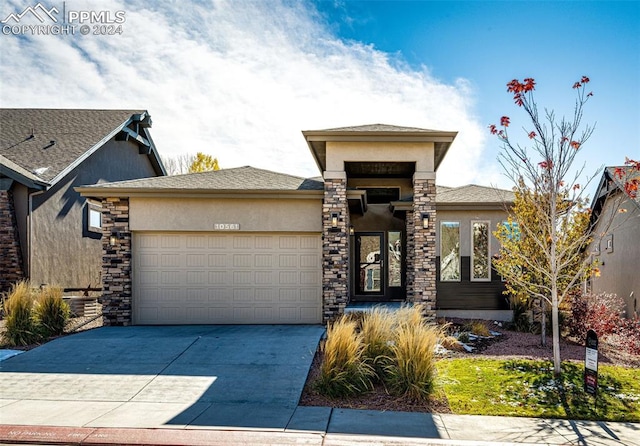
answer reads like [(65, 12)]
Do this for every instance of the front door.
[(370, 263)]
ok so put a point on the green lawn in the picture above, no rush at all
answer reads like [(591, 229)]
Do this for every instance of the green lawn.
[(528, 388)]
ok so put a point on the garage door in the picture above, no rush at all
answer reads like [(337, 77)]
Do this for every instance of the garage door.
[(222, 278)]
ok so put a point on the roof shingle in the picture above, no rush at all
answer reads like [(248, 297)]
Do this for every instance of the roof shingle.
[(26, 136), (237, 179)]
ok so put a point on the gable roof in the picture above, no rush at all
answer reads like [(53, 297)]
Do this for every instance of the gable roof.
[(49, 143), (610, 182), (239, 179), (473, 194), (317, 139)]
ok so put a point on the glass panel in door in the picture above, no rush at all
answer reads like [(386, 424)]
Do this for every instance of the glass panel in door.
[(370, 261)]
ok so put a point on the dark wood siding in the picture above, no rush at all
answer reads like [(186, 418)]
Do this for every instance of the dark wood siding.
[(468, 295)]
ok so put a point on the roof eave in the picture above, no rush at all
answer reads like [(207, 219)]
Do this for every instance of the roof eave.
[(107, 192), (21, 175)]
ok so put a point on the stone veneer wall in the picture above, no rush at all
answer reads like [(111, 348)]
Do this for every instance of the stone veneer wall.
[(424, 268), (11, 269), (335, 249), (410, 256), (116, 262)]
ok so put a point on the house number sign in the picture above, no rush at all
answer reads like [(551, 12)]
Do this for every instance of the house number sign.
[(226, 226)]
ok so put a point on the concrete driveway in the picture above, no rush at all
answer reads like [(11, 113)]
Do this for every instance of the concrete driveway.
[(174, 377)]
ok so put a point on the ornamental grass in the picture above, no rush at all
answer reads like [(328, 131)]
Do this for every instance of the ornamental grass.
[(344, 371)]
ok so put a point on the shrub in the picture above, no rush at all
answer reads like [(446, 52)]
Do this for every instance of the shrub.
[(51, 312), (377, 335), (20, 329), (478, 328), (521, 313), (603, 313), (412, 369), (600, 313), (343, 371)]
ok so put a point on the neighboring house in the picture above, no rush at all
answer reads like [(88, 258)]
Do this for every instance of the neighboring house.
[(49, 234), (616, 243), (247, 245)]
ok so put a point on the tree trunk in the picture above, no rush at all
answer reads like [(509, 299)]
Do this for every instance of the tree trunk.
[(556, 333), (543, 323)]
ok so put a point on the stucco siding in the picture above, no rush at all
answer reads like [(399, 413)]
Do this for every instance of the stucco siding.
[(620, 267), (63, 252), (419, 152), (202, 214), (21, 208)]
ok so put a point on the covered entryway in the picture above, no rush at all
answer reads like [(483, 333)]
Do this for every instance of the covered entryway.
[(227, 278)]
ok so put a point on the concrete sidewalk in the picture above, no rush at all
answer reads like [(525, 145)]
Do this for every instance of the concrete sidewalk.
[(323, 426)]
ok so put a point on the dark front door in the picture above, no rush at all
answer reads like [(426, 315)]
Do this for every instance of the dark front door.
[(370, 263)]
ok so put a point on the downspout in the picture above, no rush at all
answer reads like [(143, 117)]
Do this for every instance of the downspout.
[(30, 232)]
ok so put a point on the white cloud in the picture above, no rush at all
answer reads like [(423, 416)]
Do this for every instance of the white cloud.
[(239, 80)]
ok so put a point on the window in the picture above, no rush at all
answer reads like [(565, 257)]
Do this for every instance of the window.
[(450, 251), (480, 263), (512, 229), (394, 258), (94, 217), (609, 243)]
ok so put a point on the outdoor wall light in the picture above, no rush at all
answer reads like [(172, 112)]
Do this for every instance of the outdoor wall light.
[(334, 221), (425, 220), (352, 230), (113, 239)]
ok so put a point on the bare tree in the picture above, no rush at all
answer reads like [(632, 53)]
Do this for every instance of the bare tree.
[(544, 173), (179, 164)]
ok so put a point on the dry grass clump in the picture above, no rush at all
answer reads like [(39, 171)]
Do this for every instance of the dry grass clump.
[(51, 312), (396, 348), (343, 371), (33, 314), (412, 368), (478, 328), (20, 329)]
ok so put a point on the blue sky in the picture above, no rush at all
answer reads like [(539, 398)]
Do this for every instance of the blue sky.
[(240, 79), (489, 43)]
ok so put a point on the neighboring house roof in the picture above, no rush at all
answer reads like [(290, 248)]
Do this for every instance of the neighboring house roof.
[(49, 143), (610, 182), (317, 139), (473, 194), (239, 179)]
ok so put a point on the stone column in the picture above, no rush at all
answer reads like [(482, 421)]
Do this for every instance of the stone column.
[(116, 262), (424, 270), (335, 246), (11, 267), (410, 255)]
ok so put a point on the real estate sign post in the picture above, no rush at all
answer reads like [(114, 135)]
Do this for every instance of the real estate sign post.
[(591, 363)]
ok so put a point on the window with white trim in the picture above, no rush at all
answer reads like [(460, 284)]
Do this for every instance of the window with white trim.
[(450, 251), (480, 261), (94, 217)]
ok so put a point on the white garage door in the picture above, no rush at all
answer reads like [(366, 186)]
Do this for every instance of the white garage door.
[(223, 278)]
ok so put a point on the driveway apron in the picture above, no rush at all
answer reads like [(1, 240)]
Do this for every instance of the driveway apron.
[(245, 376)]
